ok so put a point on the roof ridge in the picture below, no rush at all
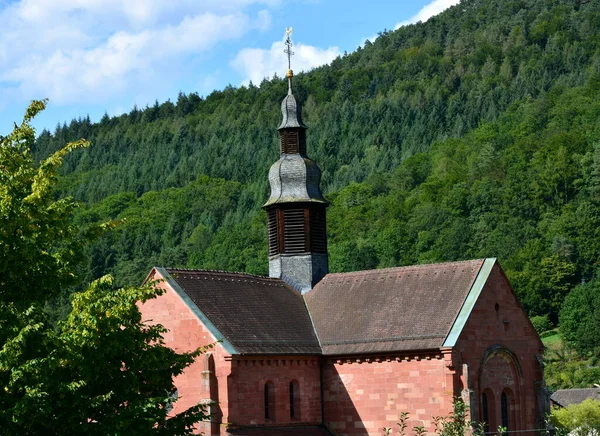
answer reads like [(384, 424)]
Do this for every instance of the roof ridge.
[(216, 271), (405, 267), (577, 389)]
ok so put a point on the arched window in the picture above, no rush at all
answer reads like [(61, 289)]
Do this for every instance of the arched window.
[(269, 398), (485, 412), (294, 400), (488, 405), (504, 409), (500, 363)]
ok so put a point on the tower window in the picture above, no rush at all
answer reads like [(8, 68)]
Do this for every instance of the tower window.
[(292, 142), (289, 142), (272, 232), (294, 231), (318, 235)]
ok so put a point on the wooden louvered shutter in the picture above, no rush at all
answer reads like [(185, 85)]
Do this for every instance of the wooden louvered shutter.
[(289, 142), (294, 231), (283, 142), (292, 141), (302, 142), (318, 232), (272, 232)]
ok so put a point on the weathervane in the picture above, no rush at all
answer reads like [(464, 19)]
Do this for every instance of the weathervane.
[(288, 50)]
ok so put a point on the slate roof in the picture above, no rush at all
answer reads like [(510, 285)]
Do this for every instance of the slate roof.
[(566, 397), (257, 315), (393, 309), (291, 112), (386, 310)]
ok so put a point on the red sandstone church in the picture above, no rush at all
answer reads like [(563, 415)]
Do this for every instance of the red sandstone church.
[(306, 352)]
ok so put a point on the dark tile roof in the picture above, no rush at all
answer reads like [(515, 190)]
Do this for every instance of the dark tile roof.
[(257, 315), (566, 397), (394, 309), (312, 430), (376, 311)]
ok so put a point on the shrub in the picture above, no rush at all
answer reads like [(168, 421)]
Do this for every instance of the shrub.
[(541, 323), (583, 418)]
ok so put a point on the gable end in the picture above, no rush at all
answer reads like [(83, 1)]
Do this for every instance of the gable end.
[(469, 303), (196, 311)]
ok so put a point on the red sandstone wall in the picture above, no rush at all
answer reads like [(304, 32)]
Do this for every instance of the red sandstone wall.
[(246, 390), (186, 333), (362, 398), (506, 327), (237, 386)]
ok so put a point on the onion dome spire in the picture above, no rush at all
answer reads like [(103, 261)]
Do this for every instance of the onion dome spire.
[(290, 109), (296, 208), (294, 177)]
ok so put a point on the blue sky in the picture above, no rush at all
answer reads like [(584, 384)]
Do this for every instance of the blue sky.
[(96, 56)]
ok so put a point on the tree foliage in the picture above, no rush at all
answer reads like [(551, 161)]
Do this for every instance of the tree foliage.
[(473, 134), (568, 371), (102, 370), (580, 318), (33, 266), (580, 419)]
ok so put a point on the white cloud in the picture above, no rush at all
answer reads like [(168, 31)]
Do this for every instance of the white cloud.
[(424, 14), (256, 63), (87, 51), (428, 11)]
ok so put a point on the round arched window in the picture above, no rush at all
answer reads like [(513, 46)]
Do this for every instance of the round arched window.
[(269, 398)]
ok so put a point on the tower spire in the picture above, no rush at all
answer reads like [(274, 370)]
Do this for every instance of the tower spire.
[(296, 208)]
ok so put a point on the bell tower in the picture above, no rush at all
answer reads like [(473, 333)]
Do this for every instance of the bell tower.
[(296, 228)]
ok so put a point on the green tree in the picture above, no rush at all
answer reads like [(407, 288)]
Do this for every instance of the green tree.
[(102, 370), (39, 245), (580, 317), (581, 419)]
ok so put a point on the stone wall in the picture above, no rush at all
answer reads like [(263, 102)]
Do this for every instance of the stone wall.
[(363, 395), (247, 390)]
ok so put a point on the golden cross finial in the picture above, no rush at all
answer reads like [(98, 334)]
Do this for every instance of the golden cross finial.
[(288, 51)]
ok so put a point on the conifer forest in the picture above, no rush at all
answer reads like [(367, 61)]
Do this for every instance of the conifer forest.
[(474, 134)]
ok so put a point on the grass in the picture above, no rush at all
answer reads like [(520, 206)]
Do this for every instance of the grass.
[(552, 340)]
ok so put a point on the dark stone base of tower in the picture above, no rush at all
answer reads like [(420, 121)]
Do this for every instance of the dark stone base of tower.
[(302, 272)]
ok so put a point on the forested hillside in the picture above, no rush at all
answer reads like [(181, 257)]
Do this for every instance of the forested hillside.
[(474, 134)]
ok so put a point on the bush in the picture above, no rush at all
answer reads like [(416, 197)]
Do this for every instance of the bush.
[(580, 318), (583, 418), (541, 323)]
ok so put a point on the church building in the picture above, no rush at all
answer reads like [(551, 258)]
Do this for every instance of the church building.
[(308, 352)]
